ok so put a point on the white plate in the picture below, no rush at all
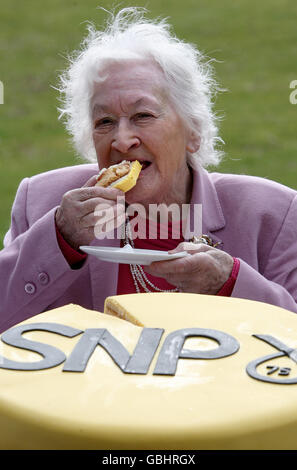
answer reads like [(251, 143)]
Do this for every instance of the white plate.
[(129, 255)]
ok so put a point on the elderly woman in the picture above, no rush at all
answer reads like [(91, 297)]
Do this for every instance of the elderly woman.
[(135, 92)]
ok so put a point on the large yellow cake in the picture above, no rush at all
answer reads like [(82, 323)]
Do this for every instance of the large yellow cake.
[(183, 371)]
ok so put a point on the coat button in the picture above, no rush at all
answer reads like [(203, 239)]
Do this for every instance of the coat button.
[(43, 278), (30, 288)]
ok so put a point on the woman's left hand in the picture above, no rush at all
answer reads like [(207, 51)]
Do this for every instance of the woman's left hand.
[(205, 271)]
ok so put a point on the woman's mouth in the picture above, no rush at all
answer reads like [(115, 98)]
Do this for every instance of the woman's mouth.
[(145, 165)]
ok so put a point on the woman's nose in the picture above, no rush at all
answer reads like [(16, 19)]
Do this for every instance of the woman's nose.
[(125, 138)]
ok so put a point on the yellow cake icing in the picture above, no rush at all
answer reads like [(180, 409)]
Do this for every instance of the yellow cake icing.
[(205, 404), (129, 180)]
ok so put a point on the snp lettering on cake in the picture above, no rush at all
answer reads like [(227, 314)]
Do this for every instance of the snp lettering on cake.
[(170, 353)]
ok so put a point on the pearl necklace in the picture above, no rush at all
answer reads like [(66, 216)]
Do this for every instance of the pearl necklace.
[(138, 274)]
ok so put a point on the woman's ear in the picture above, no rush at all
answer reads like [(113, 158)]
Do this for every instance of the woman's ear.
[(193, 144)]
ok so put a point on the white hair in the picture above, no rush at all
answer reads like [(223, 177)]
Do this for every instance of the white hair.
[(128, 35)]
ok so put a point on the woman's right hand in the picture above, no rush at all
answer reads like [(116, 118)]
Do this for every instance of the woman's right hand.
[(79, 211)]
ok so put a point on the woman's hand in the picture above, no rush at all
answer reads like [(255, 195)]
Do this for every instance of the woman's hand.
[(205, 271), (80, 208)]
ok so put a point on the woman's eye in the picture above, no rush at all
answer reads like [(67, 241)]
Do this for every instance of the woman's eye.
[(102, 123), (143, 116)]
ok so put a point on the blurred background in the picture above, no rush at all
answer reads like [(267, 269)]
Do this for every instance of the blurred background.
[(254, 43)]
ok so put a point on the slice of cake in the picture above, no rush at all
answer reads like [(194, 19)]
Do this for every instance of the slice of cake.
[(121, 176)]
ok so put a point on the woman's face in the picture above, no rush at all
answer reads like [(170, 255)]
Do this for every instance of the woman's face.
[(134, 120)]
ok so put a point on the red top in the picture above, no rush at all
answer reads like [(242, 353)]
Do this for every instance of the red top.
[(167, 238), (125, 280)]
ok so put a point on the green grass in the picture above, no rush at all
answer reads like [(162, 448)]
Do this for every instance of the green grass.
[(253, 42)]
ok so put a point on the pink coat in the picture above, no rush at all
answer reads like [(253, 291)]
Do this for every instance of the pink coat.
[(255, 219)]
